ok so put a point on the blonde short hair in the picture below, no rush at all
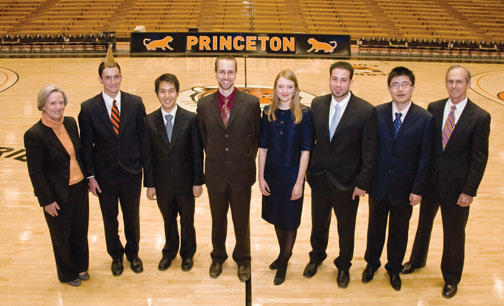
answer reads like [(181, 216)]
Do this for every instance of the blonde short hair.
[(44, 94)]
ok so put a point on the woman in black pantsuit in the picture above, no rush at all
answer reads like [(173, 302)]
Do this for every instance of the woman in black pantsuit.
[(52, 152), (284, 150)]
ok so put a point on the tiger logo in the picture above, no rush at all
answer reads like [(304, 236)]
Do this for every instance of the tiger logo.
[(316, 46), (160, 43)]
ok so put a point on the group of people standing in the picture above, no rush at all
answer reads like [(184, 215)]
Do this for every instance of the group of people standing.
[(398, 153)]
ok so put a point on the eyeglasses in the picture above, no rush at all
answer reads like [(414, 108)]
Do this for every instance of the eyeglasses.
[(404, 85), (455, 82)]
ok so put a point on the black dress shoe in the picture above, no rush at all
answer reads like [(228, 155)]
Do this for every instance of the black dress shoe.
[(187, 264), (409, 268), (280, 274), (164, 263), (84, 276), (343, 278), (368, 274), (136, 265), (117, 267), (310, 269), (449, 291), (75, 283), (215, 269), (244, 272), (274, 265), (395, 281)]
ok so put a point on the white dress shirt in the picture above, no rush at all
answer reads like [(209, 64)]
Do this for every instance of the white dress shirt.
[(173, 112), (404, 111), (458, 111), (109, 101), (342, 106)]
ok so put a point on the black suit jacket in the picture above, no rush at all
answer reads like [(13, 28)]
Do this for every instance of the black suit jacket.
[(349, 159), (460, 167), (49, 162), (173, 166), (403, 160), (230, 152), (102, 150)]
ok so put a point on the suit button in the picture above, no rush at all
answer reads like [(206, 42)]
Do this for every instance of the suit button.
[(281, 132), (227, 135), (282, 122), (226, 149)]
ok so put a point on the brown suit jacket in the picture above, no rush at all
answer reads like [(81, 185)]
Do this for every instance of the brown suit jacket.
[(229, 152)]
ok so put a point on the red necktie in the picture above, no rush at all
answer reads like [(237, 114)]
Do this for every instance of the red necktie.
[(225, 112), (448, 126), (115, 118)]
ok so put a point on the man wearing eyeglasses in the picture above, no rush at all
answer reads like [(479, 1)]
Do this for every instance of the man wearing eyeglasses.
[(459, 159), (405, 133)]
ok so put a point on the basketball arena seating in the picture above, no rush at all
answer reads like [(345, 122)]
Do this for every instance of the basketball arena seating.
[(406, 27)]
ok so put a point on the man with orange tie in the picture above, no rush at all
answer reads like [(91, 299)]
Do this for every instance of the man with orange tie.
[(459, 159), (112, 127)]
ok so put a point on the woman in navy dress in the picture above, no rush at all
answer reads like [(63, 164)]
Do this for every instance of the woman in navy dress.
[(284, 150)]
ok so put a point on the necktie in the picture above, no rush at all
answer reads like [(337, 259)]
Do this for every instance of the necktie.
[(115, 118), (335, 121), (169, 126), (397, 123), (225, 112), (448, 126)]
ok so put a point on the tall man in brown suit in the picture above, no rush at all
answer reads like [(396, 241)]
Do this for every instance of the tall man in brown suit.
[(229, 124), (458, 163)]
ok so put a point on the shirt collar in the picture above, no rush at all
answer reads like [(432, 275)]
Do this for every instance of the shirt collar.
[(343, 103), (110, 100), (173, 111), (230, 98), (404, 111), (460, 106)]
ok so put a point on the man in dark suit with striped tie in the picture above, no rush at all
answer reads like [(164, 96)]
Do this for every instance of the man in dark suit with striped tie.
[(459, 159), (173, 170), (112, 128)]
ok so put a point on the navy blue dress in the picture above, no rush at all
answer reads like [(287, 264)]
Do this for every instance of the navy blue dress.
[(284, 140)]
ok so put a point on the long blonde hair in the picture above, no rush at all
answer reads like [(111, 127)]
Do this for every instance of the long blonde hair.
[(295, 106)]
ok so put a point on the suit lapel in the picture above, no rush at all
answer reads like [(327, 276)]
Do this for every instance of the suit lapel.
[(348, 114), (179, 121), (461, 123), (53, 139), (323, 116), (215, 109), (438, 113), (161, 127), (75, 141), (409, 120), (126, 110), (102, 113), (387, 115), (237, 106)]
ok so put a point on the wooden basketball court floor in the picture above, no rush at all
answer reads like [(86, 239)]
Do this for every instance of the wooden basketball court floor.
[(27, 269)]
